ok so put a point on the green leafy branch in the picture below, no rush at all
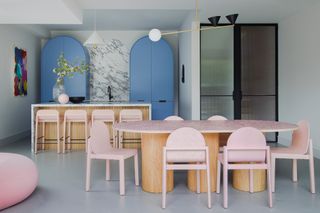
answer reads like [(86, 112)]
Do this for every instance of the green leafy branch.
[(67, 69)]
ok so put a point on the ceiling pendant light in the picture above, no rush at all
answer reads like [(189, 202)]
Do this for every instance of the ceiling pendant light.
[(214, 20), (94, 39), (155, 34)]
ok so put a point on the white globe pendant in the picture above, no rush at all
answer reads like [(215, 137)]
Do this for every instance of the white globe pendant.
[(155, 35)]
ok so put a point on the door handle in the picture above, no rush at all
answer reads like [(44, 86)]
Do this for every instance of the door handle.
[(140, 100), (162, 101)]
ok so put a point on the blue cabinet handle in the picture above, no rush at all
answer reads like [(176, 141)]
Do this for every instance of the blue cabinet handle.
[(162, 101), (140, 100)]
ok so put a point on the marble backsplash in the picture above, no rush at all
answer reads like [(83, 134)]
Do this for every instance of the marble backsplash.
[(110, 67)]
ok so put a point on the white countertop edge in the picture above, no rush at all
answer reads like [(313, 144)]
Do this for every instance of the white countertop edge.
[(90, 105)]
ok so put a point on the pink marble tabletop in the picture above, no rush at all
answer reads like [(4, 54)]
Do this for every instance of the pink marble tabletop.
[(203, 126)]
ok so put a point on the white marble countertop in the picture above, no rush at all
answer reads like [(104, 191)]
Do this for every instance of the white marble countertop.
[(92, 104)]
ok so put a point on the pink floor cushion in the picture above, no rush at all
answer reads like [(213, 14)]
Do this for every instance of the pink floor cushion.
[(18, 178)]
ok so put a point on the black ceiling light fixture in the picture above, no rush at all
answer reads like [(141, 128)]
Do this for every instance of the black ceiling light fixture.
[(214, 20), (232, 18)]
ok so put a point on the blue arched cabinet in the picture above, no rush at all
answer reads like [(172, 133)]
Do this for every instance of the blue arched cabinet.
[(74, 52), (151, 76)]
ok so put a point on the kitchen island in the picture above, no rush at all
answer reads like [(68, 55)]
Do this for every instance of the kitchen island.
[(77, 128)]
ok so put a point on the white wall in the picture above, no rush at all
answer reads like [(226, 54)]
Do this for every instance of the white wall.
[(15, 111), (299, 71), (129, 38), (189, 56)]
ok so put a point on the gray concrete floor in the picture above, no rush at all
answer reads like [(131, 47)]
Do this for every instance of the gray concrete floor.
[(61, 189)]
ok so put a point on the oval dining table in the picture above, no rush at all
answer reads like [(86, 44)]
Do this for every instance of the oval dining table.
[(154, 135)]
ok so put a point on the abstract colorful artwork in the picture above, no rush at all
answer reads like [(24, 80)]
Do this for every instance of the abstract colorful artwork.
[(20, 72)]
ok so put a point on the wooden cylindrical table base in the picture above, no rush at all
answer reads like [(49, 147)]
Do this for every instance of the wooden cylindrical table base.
[(241, 180), (151, 149), (212, 141)]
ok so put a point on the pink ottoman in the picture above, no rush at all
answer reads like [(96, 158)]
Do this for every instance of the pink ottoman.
[(18, 178)]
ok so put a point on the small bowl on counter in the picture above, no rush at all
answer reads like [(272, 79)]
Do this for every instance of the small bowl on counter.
[(76, 100)]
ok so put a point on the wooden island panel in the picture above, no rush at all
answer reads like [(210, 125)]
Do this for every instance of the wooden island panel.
[(131, 140)]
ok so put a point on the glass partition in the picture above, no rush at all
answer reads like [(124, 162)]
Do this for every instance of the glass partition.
[(216, 73)]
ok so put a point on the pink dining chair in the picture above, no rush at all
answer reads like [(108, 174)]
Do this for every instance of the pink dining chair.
[(185, 146), (107, 116), (300, 149), (128, 115), (99, 147), (173, 118), (246, 149), (217, 118)]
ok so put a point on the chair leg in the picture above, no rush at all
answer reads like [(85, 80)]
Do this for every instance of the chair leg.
[(164, 186), (114, 139), (294, 170), (107, 169), (225, 186), (251, 180), (88, 173), (208, 183), (273, 173), (312, 178), (64, 136), (198, 181), (69, 135), (58, 137), (122, 177), (218, 176), (269, 187), (43, 134), (136, 169), (86, 134), (36, 138), (121, 140)]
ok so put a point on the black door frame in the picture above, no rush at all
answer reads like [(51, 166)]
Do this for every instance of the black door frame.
[(237, 93)]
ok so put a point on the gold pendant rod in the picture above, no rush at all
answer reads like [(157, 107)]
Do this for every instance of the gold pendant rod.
[(196, 30)]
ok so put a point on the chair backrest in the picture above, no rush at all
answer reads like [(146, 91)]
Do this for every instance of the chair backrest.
[(47, 114), (99, 142), (246, 137), (127, 115), (103, 115), (217, 118), (75, 114), (173, 118), (301, 138), (182, 139)]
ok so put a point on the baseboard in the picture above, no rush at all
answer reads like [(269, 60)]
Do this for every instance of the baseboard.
[(16, 137)]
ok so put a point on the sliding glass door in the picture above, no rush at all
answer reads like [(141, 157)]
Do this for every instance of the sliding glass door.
[(217, 73), (239, 73)]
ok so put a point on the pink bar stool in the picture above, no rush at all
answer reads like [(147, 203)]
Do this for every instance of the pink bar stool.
[(74, 116), (247, 145), (106, 116), (46, 116), (99, 148), (128, 115)]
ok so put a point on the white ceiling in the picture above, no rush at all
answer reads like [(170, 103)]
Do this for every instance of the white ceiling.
[(140, 14)]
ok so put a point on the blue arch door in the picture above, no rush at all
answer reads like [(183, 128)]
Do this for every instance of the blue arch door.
[(151, 76)]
